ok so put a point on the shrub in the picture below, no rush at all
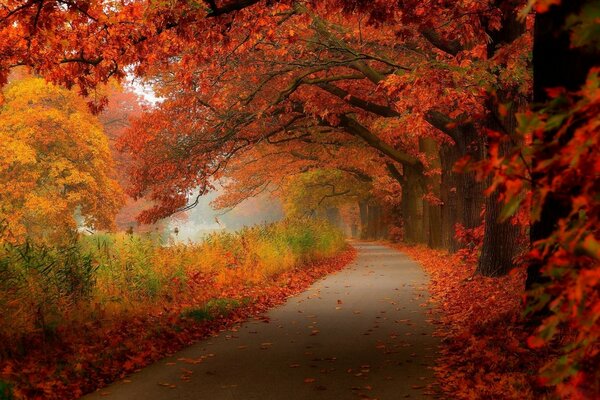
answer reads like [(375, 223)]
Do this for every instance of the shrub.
[(39, 284)]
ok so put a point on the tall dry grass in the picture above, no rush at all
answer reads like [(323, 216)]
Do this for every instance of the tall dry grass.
[(45, 289)]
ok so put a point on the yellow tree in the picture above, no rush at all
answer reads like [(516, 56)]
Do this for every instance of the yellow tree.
[(317, 191), (55, 165)]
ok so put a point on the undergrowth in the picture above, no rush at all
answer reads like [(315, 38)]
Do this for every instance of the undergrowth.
[(483, 351), (57, 301)]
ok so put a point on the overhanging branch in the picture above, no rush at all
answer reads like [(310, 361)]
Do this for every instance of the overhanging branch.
[(355, 128)]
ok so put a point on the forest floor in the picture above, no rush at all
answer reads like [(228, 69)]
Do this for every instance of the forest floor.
[(363, 332), (483, 352)]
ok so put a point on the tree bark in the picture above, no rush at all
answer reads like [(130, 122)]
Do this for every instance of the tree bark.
[(501, 238), (412, 206), (333, 216), (462, 190), (363, 211), (448, 194), (375, 221), (471, 190), (432, 213), (371, 222), (426, 227)]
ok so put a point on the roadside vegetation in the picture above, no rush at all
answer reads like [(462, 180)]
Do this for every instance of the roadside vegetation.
[(63, 304), (467, 127), (486, 347)]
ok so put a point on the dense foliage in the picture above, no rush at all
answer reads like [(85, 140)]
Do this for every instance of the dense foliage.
[(466, 125), (55, 164)]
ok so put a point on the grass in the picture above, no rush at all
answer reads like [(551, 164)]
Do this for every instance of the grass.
[(45, 291), (214, 308)]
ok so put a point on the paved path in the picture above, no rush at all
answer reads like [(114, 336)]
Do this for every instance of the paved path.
[(357, 334)]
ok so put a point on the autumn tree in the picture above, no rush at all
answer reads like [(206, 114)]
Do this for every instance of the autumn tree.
[(409, 87), (307, 180), (429, 66), (325, 193), (552, 169), (337, 86), (55, 164), (86, 43), (123, 105)]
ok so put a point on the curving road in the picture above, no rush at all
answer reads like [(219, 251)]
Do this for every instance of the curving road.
[(358, 334)]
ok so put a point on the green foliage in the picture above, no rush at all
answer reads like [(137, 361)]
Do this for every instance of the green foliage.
[(214, 308), (130, 264), (584, 27), (5, 391), (37, 281), (197, 314), (275, 247)]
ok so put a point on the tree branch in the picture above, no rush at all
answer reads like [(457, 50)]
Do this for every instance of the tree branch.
[(355, 128), (395, 173), (230, 7), (366, 105), (452, 47), (444, 123)]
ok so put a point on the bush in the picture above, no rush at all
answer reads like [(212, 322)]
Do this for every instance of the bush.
[(39, 284)]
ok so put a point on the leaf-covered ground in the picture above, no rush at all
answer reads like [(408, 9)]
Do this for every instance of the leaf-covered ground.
[(484, 352), (85, 357), (360, 333)]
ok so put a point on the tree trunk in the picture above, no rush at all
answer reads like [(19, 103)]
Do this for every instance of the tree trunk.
[(500, 241), (377, 221), (363, 211), (450, 214), (435, 227), (470, 191), (501, 238), (373, 221), (412, 206), (333, 216), (432, 213), (426, 231), (461, 193)]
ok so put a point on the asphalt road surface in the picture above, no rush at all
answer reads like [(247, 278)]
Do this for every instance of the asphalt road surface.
[(361, 333)]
